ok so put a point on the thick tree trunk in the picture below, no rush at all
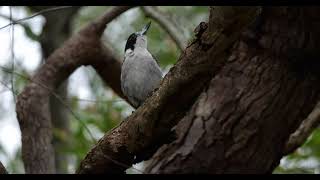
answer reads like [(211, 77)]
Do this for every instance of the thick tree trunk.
[(242, 120)]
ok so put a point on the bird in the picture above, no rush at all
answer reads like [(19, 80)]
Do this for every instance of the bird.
[(140, 71)]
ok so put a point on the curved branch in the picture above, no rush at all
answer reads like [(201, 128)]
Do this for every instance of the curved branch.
[(143, 132), (33, 113), (166, 24), (3, 169), (297, 138)]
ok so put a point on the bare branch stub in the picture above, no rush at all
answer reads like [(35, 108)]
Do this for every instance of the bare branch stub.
[(33, 113), (146, 128), (34, 15)]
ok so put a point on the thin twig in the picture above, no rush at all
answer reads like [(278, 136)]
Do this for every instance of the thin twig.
[(23, 25), (92, 100), (8, 87), (36, 14), (65, 98), (12, 56), (300, 136), (166, 23), (120, 163)]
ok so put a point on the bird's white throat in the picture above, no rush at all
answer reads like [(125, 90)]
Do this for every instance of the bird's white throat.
[(138, 51)]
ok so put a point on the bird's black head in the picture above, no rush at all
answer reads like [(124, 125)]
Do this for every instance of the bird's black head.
[(133, 37), (131, 42)]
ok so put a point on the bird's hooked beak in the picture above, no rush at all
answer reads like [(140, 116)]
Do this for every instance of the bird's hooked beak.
[(145, 28)]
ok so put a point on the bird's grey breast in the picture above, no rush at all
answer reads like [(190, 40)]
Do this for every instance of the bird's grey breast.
[(140, 75)]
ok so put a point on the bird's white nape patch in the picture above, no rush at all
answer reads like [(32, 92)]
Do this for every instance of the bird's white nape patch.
[(128, 52)]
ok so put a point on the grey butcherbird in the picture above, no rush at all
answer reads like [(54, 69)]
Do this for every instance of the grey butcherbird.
[(140, 73)]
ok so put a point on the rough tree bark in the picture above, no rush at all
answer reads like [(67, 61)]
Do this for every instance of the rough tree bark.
[(53, 34), (242, 120)]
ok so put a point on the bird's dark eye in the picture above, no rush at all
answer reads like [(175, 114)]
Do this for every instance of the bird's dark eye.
[(130, 42)]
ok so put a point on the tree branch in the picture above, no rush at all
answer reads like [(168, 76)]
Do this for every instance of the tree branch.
[(297, 138), (33, 113), (165, 22), (145, 130), (3, 169)]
